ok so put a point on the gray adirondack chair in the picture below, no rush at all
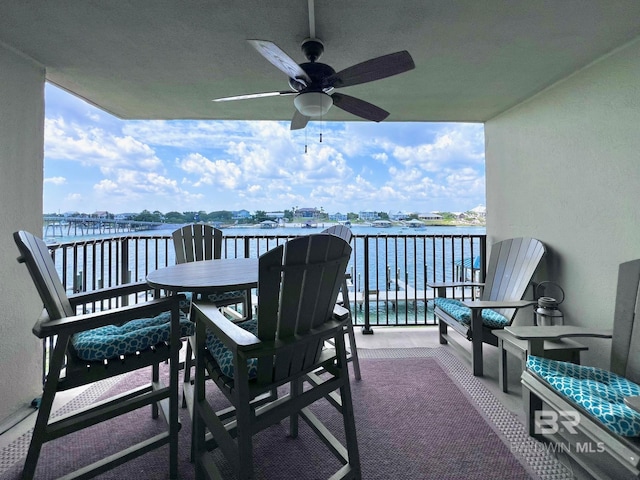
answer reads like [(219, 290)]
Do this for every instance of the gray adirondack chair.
[(593, 414), (510, 269), (69, 366), (196, 242), (193, 243), (352, 354), (297, 291)]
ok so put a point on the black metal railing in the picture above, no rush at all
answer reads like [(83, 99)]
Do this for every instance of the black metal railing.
[(389, 273)]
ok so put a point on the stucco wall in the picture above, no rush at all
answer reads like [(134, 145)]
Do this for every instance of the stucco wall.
[(564, 167), (21, 152)]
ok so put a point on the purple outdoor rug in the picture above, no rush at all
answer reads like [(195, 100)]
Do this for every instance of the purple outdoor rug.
[(413, 422)]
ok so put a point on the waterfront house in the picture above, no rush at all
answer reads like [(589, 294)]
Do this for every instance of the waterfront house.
[(241, 215), (555, 85), (368, 216), (307, 212)]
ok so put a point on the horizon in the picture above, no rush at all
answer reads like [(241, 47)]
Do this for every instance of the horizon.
[(94, 161)]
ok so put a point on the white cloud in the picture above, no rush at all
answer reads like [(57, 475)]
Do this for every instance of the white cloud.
[(56, 180), (92, 146), (214, 165)]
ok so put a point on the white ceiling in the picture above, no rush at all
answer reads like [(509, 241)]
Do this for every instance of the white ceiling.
[(161, 59)]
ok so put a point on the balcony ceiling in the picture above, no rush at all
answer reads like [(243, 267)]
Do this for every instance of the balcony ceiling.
[(161, 59)]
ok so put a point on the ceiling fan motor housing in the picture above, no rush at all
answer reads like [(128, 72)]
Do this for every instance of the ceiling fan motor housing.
[(312, 49)]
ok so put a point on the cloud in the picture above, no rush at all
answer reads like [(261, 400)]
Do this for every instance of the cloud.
[(56, 180), (94, 146), (207, 172), (182, 165)]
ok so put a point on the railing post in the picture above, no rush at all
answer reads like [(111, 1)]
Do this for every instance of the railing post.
[(125, 273), (366, 330), (483, 258), (247, 249), (78, 283)]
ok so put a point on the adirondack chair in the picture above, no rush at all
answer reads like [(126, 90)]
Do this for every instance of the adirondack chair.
[(196, 242), (297, 291), (352, 354), (193, 243), (510, 269), (589, 413), (90, 347)]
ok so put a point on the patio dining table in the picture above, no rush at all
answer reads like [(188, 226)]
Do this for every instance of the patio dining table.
[(208, 276)]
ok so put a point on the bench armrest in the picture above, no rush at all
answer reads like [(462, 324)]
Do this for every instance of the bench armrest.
[(633, 402), (493, 304), (536, 336), (556, 332)]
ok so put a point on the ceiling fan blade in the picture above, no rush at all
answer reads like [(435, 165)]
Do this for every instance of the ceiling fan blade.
[(279, 59), (299, 121), (373, 69), (358, 107), (254, 95)]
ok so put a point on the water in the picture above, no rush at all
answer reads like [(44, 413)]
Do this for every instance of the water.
[(290, 231)]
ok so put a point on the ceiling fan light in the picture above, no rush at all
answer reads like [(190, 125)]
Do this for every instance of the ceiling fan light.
[(313, 104)]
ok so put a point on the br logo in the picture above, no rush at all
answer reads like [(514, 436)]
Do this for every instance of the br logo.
[(548, 422)]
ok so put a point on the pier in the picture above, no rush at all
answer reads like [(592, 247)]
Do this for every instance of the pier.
[(67, 226)]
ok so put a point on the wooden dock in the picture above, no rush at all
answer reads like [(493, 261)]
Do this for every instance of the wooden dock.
[(406, 293)]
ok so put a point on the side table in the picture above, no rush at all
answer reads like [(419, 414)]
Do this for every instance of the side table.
[(563, 349)]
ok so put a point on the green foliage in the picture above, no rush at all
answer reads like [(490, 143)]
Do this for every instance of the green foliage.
[(260, 216), (147, 216)]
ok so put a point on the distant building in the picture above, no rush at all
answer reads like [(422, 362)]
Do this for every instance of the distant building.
[(368, 216), (338, 217), (240, 214), (100, 214), (429, 216), (398, 216), (274, 214), (307, 212), (480, 210)]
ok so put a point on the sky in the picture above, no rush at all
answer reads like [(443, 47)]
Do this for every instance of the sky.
[(94, 161)]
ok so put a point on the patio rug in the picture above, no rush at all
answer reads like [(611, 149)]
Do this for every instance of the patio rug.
[(419, 413)]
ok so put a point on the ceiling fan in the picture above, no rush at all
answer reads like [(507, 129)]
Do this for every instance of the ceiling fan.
[(313, 83)]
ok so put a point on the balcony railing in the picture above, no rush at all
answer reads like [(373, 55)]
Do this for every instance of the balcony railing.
[(389, 273)]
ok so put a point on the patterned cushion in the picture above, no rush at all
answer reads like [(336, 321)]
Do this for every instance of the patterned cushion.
[(112, 341), (460, 312), (224, 296), (223, 355), (240, 295), (599, 392)]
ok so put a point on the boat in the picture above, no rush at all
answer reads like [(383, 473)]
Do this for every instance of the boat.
[(381, 224), (414, 223), (310, 225), (268, 224)]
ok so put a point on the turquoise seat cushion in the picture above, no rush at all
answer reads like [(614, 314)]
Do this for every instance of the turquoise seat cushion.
[(599, 392), (462, 313), (111, 341), (223, 297), (224, 356), (237, 295)]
